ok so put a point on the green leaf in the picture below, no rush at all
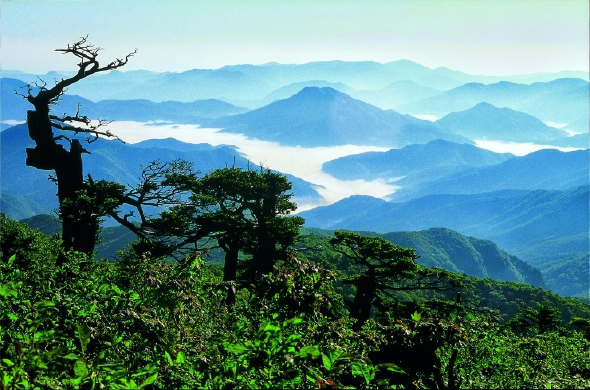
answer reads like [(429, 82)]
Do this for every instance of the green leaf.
[(12, 317), (45, 304), (8, 290), (390, 367), (238, 349), (71, 356), (293, 321), (180, 357), (80, 369), (357, 369), (149, 380), (312, 351), (327, 362), (271, 328), (8, 362), (11, 260), (168, 358), (416, 316), (83, 336)]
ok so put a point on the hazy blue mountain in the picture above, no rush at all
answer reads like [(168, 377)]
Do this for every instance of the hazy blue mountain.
[(575, 141), (326, 117), (487, 122), (450, 250), (191, 85), (145, 110), (110, 160), (559, 101), (18, 207), (15, 107), (292, 89), (513, 219), (428, 161), (360, 75), (239, 83), (176, 145), (396, 94), (545, 77), (563, 262), (545, 169)]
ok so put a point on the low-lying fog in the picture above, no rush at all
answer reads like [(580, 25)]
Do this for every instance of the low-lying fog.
[(305, 163)]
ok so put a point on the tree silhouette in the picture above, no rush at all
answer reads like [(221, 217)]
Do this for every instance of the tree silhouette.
[(243, 210), (78, 228)]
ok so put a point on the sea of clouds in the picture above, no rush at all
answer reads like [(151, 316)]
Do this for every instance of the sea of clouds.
[(305, 163)]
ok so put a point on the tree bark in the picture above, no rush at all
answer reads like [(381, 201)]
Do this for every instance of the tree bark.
[(360, 307), (77, 233)]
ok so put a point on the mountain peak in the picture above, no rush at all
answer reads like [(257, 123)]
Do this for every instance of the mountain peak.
[(485, 105), (323, 92)]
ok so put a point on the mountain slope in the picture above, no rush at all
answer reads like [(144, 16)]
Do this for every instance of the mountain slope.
[(487, 122), (513, 219), (447, 249), (439, 248), (430, 160), (326, 117), (546, 169)]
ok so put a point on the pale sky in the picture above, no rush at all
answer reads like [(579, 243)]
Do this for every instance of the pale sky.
[(492, 37)]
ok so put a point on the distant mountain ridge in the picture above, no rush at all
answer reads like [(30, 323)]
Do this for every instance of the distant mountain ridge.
[(558, 101), (15, 107), (513, 219), (431, 161), (548, 169), (236, 83), (326, 117), (485, 121)]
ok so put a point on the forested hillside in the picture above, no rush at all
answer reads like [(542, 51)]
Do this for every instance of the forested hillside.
[(162, 324)]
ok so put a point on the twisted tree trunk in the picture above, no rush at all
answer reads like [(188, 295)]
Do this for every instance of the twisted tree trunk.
[(78, 227)]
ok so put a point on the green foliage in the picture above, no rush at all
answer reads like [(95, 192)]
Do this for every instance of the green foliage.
[(147, 323)]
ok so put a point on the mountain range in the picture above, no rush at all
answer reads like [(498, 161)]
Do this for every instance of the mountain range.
[(559, 101), (512, 218), (15, 107), (425, 161), (487, 122), (326, 117), (240, 83), (534, 206), (547, 169), (440, 248), (548, 229)]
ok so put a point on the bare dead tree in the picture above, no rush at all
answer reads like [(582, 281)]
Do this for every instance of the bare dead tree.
[(78, 230)]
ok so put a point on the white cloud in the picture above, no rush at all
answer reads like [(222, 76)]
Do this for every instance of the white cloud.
[(305, 163)]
